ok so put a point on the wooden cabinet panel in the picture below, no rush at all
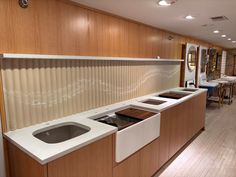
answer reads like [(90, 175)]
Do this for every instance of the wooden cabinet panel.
[(129, 167), (149, 159), (22, 165), (144, 163), (164, 137), (94, 160), (186, 120), (175, 130), (183, 122), (179, 124), (198, 113)]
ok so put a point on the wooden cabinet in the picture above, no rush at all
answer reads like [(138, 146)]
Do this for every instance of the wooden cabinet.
[(144, 163), (164, 137), (175, 130), (149, 159), (199, 112), (196, 113), (130, 167), (93, 160), (22, 165), (179, 124)]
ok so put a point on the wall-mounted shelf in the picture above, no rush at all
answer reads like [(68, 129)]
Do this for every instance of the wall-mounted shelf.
[(70, 57)]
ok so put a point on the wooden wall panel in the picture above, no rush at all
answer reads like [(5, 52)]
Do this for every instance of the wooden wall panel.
[(61, 27)]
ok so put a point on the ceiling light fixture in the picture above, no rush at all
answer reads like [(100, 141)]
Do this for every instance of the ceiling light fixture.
[(166, 2), (223, 35), (216, 31), (233, 41), (189, 17), (229, 39), (163, 3)]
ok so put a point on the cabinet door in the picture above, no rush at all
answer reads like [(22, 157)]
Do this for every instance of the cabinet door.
[(149, 159), (130, 167), (175, 130), (179, 122), (199, 108), (22, 165), (94, 160), (164, 137), (184, 122)]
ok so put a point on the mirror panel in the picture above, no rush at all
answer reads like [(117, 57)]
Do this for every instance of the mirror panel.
[(192, 58)]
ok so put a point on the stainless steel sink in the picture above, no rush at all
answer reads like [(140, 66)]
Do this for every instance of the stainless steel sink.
[(61, 132)]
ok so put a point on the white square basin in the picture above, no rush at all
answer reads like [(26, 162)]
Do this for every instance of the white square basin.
[(133, 138)]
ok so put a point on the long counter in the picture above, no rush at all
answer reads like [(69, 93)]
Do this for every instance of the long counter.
[(44, 152)]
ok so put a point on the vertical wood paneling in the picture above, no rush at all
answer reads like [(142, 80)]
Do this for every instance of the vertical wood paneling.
[(60, 27), (41, 90)]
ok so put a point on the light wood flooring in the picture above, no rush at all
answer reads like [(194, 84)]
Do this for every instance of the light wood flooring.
[(213, 152)]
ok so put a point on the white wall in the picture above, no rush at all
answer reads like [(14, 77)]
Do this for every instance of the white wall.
[(2, 166)]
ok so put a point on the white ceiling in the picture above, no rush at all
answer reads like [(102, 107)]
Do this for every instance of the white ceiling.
[(172, 18)]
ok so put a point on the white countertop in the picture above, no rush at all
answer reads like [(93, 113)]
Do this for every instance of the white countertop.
[(169, 102), (44, 152)]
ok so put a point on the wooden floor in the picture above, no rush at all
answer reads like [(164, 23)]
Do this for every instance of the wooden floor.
[(213, 152)]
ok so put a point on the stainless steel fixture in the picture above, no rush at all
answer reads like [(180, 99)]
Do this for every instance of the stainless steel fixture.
[(61, 132), (125, 118), (120, 122)]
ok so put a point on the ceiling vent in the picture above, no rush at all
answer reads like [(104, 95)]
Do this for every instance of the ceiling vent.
[(219, 18)]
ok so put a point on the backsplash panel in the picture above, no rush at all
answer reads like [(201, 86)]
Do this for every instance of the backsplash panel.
[(41, 90)]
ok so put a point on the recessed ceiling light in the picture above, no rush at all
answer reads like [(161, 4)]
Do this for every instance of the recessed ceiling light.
[(216, 31), (229, 39), (166, 2), (233, 41), (189, 17), (223, 35)]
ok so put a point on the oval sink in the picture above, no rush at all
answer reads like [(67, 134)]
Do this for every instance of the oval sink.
[(60, 132)]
